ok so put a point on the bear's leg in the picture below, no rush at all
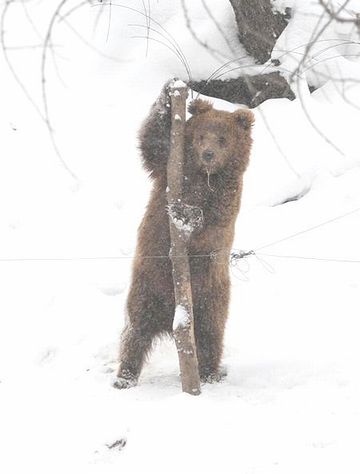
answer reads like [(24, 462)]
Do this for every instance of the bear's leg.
[(209, 345), (135, 345), (210, 314), (148, 317)]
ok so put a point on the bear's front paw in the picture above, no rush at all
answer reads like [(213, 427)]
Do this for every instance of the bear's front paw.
[(186, 218), (163, 102)]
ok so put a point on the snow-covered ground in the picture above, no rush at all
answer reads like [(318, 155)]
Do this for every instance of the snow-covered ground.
[(290, 401)]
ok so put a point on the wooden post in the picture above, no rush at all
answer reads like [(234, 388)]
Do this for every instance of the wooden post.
[(183, 325)]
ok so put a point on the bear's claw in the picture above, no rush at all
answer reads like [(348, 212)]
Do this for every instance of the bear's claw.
[(186, 217)]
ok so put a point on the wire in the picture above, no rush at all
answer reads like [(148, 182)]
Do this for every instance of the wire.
[(119, 257), (300, 257), (308, 230), (234, 255)]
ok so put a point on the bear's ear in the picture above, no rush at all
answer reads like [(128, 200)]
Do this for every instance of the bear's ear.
[(245, 118), (199, 106)]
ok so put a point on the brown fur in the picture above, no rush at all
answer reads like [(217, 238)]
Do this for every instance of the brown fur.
[(214, 187)]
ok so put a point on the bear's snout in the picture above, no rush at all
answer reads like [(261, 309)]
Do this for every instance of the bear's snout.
[(208, 155)]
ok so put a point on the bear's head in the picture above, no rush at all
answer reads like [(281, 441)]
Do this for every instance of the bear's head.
[(216, 138)]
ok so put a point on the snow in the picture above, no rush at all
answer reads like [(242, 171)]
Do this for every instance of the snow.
[(185, 218), (337, 46), (290, 401), (181, 225), (181, 317), (178, 84)]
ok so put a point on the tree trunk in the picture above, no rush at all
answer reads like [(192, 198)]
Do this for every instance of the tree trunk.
[(259, 26), (183, 325), (247, 90)]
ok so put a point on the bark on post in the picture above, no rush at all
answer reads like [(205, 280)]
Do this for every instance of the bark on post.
[(183, 325)]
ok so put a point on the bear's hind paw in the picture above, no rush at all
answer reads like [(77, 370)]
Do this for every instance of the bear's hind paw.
[(121, 382), (213, 377)]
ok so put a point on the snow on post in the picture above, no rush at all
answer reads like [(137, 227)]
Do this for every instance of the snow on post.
[(181, 318), (183, 325)]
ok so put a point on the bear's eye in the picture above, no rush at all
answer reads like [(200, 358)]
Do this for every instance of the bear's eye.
[(222, 141)]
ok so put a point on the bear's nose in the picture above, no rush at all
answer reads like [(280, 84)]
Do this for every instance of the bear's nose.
[(208, 155)]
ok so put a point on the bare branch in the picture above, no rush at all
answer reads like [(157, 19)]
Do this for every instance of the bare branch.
[(313, 124), (47, 42), (218, 26), (88, 44), (213, 51), (315, 37), (30, 20), (9, 63), (335, 14)]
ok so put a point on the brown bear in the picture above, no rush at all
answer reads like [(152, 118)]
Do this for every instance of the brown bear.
[(217, 148)]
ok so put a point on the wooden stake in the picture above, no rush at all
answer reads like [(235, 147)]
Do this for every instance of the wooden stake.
[(180, 231)]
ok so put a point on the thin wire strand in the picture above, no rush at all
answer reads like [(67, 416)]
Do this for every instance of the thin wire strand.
[(109, 22), (171, 38), (300, 257), (172, 45), (238, 254), (119, 257), (231, 262), (147, 26), (308, 229)]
